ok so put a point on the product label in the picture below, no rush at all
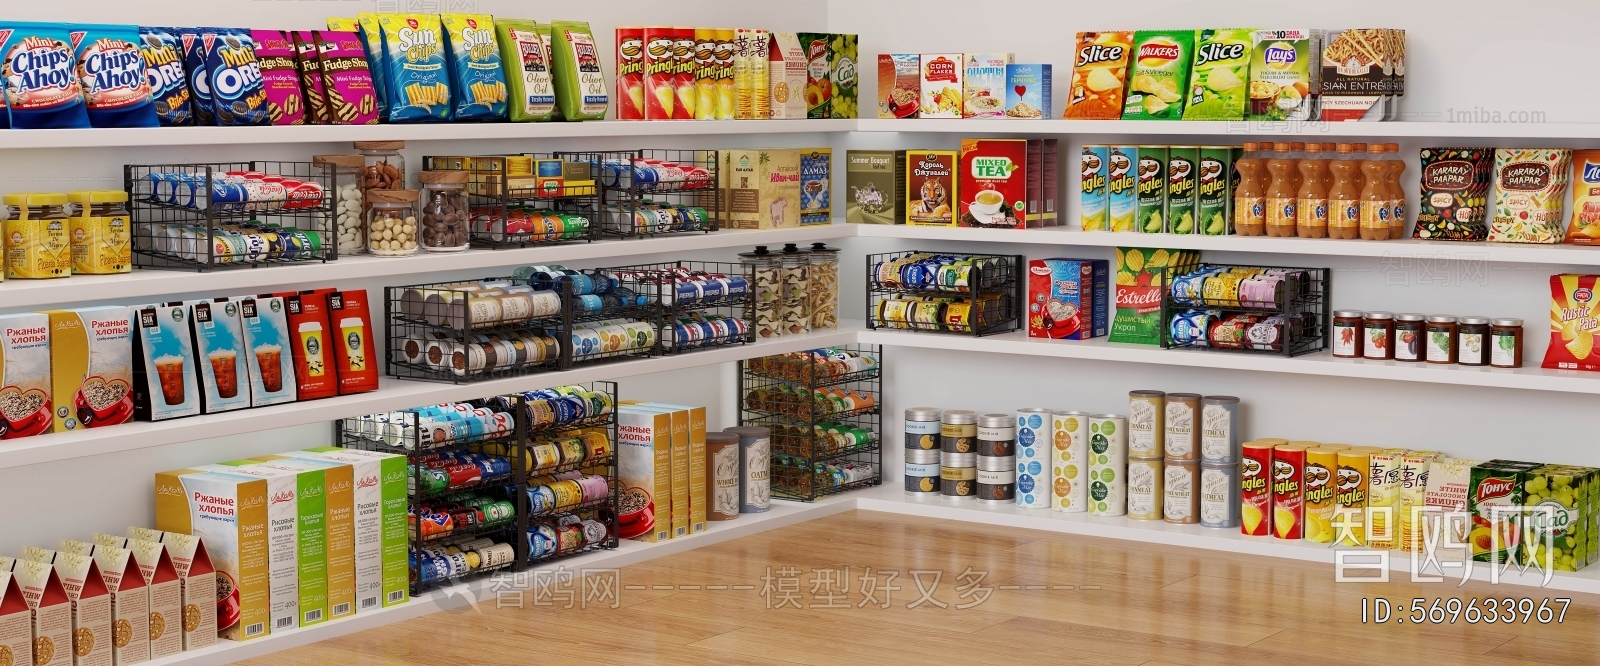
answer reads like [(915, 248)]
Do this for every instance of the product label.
[(1283, 212), (1216, 493), (1180, 430), (1470, 349), (1439, 346), (1216, 437), (1503, 352), (1179, 494), (1344, 340)]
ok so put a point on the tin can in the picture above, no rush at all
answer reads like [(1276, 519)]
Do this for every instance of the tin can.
[(958, 475), (1219, 495), (1383, 498), (1033, 457), (1255, 488), (1183, 181), (722, 476), (1145, 488), (958, 431), (1151, 215), (997, 487), (1350, 497), (997, 436), (1181, 427), (1146, 410), (1321, 464), (1093, 199), (1288, 491), (922, 473), (1108, 465), (1181, 491), (1122, 180), (1069, 461), (1219, 430), (755, 468), (1214, 200)]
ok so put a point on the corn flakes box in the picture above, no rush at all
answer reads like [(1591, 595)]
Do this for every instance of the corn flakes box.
[(1161, 60), (1530, 187), (943, 76), (1220, 69), (1099, 75), (1573, 323)]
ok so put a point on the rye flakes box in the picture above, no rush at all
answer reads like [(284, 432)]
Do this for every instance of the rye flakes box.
[(229, 513), (381, 532), (25, 405), (91, 367)]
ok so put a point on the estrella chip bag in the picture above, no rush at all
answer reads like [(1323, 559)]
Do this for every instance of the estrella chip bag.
[(169, 87), (237, 94), (41, 82), (111, 71), (194, 42), (414, 66), (475, 71)]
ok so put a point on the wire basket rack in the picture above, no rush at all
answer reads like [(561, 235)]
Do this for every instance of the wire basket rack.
[(1247, 309), (933, 292), (527, 199), (823, 408), (219, 215), (656, 192)]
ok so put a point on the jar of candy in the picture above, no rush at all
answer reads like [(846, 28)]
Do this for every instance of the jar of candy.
[(391, 222), (444, 211), (344, 174)]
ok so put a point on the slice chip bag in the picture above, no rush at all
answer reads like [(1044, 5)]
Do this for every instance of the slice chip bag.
[(365, 25), (280, 77), (531, 96), (1099, 75), (111, 72), (41, 86), (169, 86), (351, 98), (475, 71), (309, 66), (237, 94), (1219, 74), (415, 68), (580, 83), (1574, 322), (1160, 74), (194, 42)]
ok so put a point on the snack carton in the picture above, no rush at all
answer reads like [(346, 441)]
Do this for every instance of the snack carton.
[(696, 421), (1219, 75), (381, 532), (90, 603), (1067, 298), (819, 90), (992, 177), (1028, 91), (871, 179), (1141, 276), (164, 378), (1449, 490), (283, 537), (1160, 74), (1574, 322), (899, 85), (91, 367), (843, 54), (339, 529), (163, 592), (1099, 75), (941, 85), (220, 355), (1285, 74), (1494, 494), (786, 68), (644, 468), (51, 610), (266, 336), (25, 381), (816, 186), (983, 92), (309, 331), (197, 580), (16, 620), (931, 188), (1556, 529), (229, 512), (355, 355), (762, 188), (130, 601)]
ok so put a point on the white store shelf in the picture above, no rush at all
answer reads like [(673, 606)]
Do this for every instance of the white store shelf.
[(1235, 131)]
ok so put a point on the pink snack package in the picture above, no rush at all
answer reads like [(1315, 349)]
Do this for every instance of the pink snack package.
[(310, 66), (279, 77), (345, 79)]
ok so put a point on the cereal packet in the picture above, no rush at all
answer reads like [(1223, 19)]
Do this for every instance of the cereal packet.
[(1573, 323), (532, 96), (365, 25), (579, 81), (475, 71), (309, 66), (40, 88), (415, 68), (1530, 188), (1099, 75), (352, 100), (237, 94), (194, 41), (280, 76), (1160, 74), (1584, 229), (169, 86), (1221, 66), (111, 73)]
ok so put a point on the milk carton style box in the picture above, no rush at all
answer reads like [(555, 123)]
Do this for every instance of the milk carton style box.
[(283, 542), (228, 512), (91, 367), (382, 569), (644, 467), (163, 592), (130, 601), (339, 531), (164, 385), (197, 581), (16, 621), (90, 603), (25, 404), (51, 625), (220, 355), (266, 338)]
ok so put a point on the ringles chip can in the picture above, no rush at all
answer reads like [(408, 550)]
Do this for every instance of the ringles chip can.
[(1219, 495), (1122, 198), (1255, 489), (1151, 214), (1183, 183), (1322, 463), (1093, 198), (1069, 462), (1350, 496), (1212, 203), (1033, 450)]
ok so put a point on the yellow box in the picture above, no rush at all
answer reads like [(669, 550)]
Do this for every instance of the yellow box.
[(229, 513)]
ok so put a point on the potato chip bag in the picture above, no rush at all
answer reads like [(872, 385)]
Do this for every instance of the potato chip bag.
[(1220, 70), (415, 68), (1530, 188), (40, 86), (1584, 228), (1099, 75), (111, 73), (1160, 74), (475, 72), (532, 95), (1574, 321), (169, 86)]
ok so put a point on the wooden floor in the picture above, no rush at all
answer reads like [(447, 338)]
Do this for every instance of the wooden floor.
[(1128, 604)]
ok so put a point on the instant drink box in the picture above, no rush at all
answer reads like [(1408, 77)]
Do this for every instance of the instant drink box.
[(91, 367), (310, 333), (163, 593), (355, 355), (90, 603), (229, 513), (265, 323), (164, 376), (220, 355), (50, 610), (381, 532)]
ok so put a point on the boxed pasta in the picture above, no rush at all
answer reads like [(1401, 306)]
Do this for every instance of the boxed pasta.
[(163, 592), (355, 356), (50, 609), (16, 619), (164, 383), (644, 468), (90, 603), (25, 385), (91, 367), (381, 532), (1363, 74), (875, 185), (1530, 188), (220, 355), (229, 513), (339, 527), (942, 82), (265, 323), (130, 601), (1099, 75), (983, 83)]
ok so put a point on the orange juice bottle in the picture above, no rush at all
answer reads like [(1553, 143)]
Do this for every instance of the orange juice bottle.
[(1282, 200), (1329, 149), (1375, 200), (1344, 198), (1297, 152), (1311, 219), (1250, 199), (1397, 169)]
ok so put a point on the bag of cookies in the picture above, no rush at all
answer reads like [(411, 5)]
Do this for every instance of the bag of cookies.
[(237, 97), (169, 86), (309, 66), (193, 41), (352, 99), (111, 72), (40, 88), (280, 76)]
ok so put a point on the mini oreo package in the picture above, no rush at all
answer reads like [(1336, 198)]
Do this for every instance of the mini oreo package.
[(169, 87), (280, 77), (237, 94), (415, 68), (475, 71), (111, 72), (352, 100), (194, 43), (41, 85)]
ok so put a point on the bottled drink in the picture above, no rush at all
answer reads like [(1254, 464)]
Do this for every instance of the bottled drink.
[(1282, 199), (1376, 205), (1329, 149), (1344, 198), (1397, 169), (1297, 152), (1312, 205), (1249, 200)]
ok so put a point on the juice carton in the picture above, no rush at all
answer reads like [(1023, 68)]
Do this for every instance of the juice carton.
[(164, 377), (1219, 75), (1556, 536), (229, 513), (843, 54), (1161, 60), (1094, 197), (219, 349), (993, 174), (283, 532), (983, 87), (355, 356), (1099, 75), (816, 188), (51, 610), (266, 334), (931, 188), (1285, 74), (382, 571), (163, 592), (25, 384), (309, 331), (1028, 91), (1496, 486), (91, 367), (872, 178), (90, 602), (1122, 186), (16, 620), (340, 530), (644, 463), (130, 601), (819, 89), (1067, 298)]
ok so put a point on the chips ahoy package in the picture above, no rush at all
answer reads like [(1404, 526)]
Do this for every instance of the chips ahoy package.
[(111, 71), (41, 86), (475, 71), (194, 42), (237, 94), (169, 87), (280, 77)]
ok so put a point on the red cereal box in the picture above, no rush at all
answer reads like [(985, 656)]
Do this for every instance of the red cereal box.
[(355, 356), (309, 331)]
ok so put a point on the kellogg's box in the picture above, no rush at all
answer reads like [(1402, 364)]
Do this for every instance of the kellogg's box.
[(1067, 298)]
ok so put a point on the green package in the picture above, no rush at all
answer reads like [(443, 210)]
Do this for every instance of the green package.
[(1219, 76), (842, 58), (532, 97), (1160, 73), (1142, 274), (580, 86)]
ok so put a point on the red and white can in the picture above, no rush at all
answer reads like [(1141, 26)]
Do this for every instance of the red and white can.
[(630, 73)]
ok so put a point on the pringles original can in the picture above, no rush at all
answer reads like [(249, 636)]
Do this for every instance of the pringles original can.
[(1288, 491), (1146, 412), (1255, 488), (922, 429), (1069, 462), (1321, 464), (1033, 448), (1181, 427), (1093, 200), (1108, 465)]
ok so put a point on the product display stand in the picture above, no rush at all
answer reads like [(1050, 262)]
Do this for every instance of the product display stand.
[(820, 437)]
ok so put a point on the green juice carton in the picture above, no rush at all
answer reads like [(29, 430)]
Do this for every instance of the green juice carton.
[(1219, 75), (1156, 86), (1494, 488), (1557, 530), (339, 520)]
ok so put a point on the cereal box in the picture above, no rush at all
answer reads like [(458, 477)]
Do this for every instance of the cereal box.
[(1454, 190), (899, 85), (942, 82), (531, 94), (339, 531), (282, 533), (163, 591), (1122, 181), (280, 76), (786, 69), (308, 65), (1067, 298), (984, 85), (1530, 188), (16, 620), (1584, 227), (91, 367), (1141, 275), (130, 601), (1093, 198), (169, 86), (40, 89), (266, 335), (698, 471), (116, 90), (1027, 91), (816, 188), (1099, 75), (819, 90), (763, 188), (644, 459), (842, 76), (25, 386), (993, 174), (220, 355), (1218, 76), (51, 626), (381, 532), (1160, 74), (311, 534), (931, 188), (90, 602), (682, 512), (1574, 323), (229, 513), (1285, 75), (355, 354), (352, 99), (237, 94), (872, 178)]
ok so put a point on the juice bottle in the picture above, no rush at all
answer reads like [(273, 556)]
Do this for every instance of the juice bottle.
[(1297, 152), (1311, 220), (1249, 201), (1344, 197), (1281, 196), (1375, 201), (1329, 149), (1397, 169)]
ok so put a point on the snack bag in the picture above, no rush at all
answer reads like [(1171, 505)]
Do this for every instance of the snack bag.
[(414, 68), (365, 25), (475, 71), (1574, 319), (280, 76), (1217, 89), (40, 88), (352, 99), (309, 65), (532, 96), (193, 41), (580, 83), (237, 95), (169, 86), (1454, 189), (111, 72), (545, 34), (1160, 73), (1530, 187), (1099, 75), (1584, 229), (1285, 74)]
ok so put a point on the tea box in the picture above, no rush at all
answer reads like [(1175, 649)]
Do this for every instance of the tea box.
[(1027, 90), (1067, 298), (942, 83), (983, 86), (761, 188), (816, 188), (91, 367), (874, 187), (993, 173), (931, 188)]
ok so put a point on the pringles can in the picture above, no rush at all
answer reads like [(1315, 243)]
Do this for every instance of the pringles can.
[(1322, 463), (1350, 496), (1093, 200), (1183, 184), (1214, 197), (1151, 215), (1146, 413), (1108, 465), (1288, 491), (1069, 462), (1219, 495), (1255, 488), (1034, 428)]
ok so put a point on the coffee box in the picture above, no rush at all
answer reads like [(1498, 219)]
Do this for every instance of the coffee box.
[(899, 85), (872, 178), (992, 176), (25, 385), (816, 186), (310, 333), (984, 85), (786, 71), (283, 537), (91, 367), (1027, 90), (164, 377), (220, 355), (339, 493), (130, 601), (16, 620), (90, 602), (695, 419), (266, 336), (381, 531), (51, 616), (1067, 298), (931, 188), (163, 592), (644, 467), (762, 188), (355, 354), (942, 83), (228, 512)]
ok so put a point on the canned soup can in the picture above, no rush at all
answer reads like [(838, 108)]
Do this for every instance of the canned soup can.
[(1034, 427), (1069, 461)]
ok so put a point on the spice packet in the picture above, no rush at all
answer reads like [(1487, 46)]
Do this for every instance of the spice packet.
[(169, 86), (1584, 228), (237, 96), (1160, 74), (309, 65), (415, 68), (193, 41), (1454, 191), (1285, 74), (1099, 75), (475, 71), (1530, 188), (1221, 68), (531, 95), (111, 72), (280, 76), (352, 99), (40, 88), (579, 82)]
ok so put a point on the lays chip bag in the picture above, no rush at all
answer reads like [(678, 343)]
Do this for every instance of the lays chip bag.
[(1574, 322)]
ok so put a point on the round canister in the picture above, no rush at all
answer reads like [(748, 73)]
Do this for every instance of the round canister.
[(1069, 461), (997, 436), (922, 473), (1219, 495), (1033, 458), (958, 475), (1219, 430), (997, 487), (1181, 490), (755, 468), (958, 431), (1144, 488), (1146, 410), (922, 428), (722, 476), (1181, 427), (1108, 465)]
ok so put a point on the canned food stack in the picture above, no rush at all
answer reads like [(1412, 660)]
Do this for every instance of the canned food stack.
[(231, 214), (1181, 459), (1241, 308), (1219, 461), (652, 192), (703, 303), (944, 293), (437, 563), (997, 460), (823, 410), (520, 200), (958, 457), (922, 452), (435, 426)]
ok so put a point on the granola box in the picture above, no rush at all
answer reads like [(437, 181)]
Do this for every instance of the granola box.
[(1099, 75), (899, 85), (984, 85), (25, 385), (1160, 74), (1530, 189), (91, 367), (644, 464), (1285, 74), (228, 512), (943, 77), (1219, 73)]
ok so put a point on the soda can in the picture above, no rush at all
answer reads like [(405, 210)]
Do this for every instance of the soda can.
[(1219, 495), (1093, 197), (1350, 497), (1183, 181), (1144, 488), (1214, 200), (645, 176), (541, 541), (1180, 502), (1122, 182), (1108, 465), (499, 511), (1321, 464), (1288, 491), (1069, 461), (1150, 213), (1255, 488)]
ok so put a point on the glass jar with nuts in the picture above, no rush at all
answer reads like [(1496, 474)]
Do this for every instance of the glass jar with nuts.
[(348, 199), (392, 222), (444, 215), (383, 168)]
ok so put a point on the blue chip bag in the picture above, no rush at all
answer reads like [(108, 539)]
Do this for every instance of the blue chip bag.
[(111, 71), (475, 71), (415, 70), (238, 96), (194, 42), (169, 86), (41, 83)]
